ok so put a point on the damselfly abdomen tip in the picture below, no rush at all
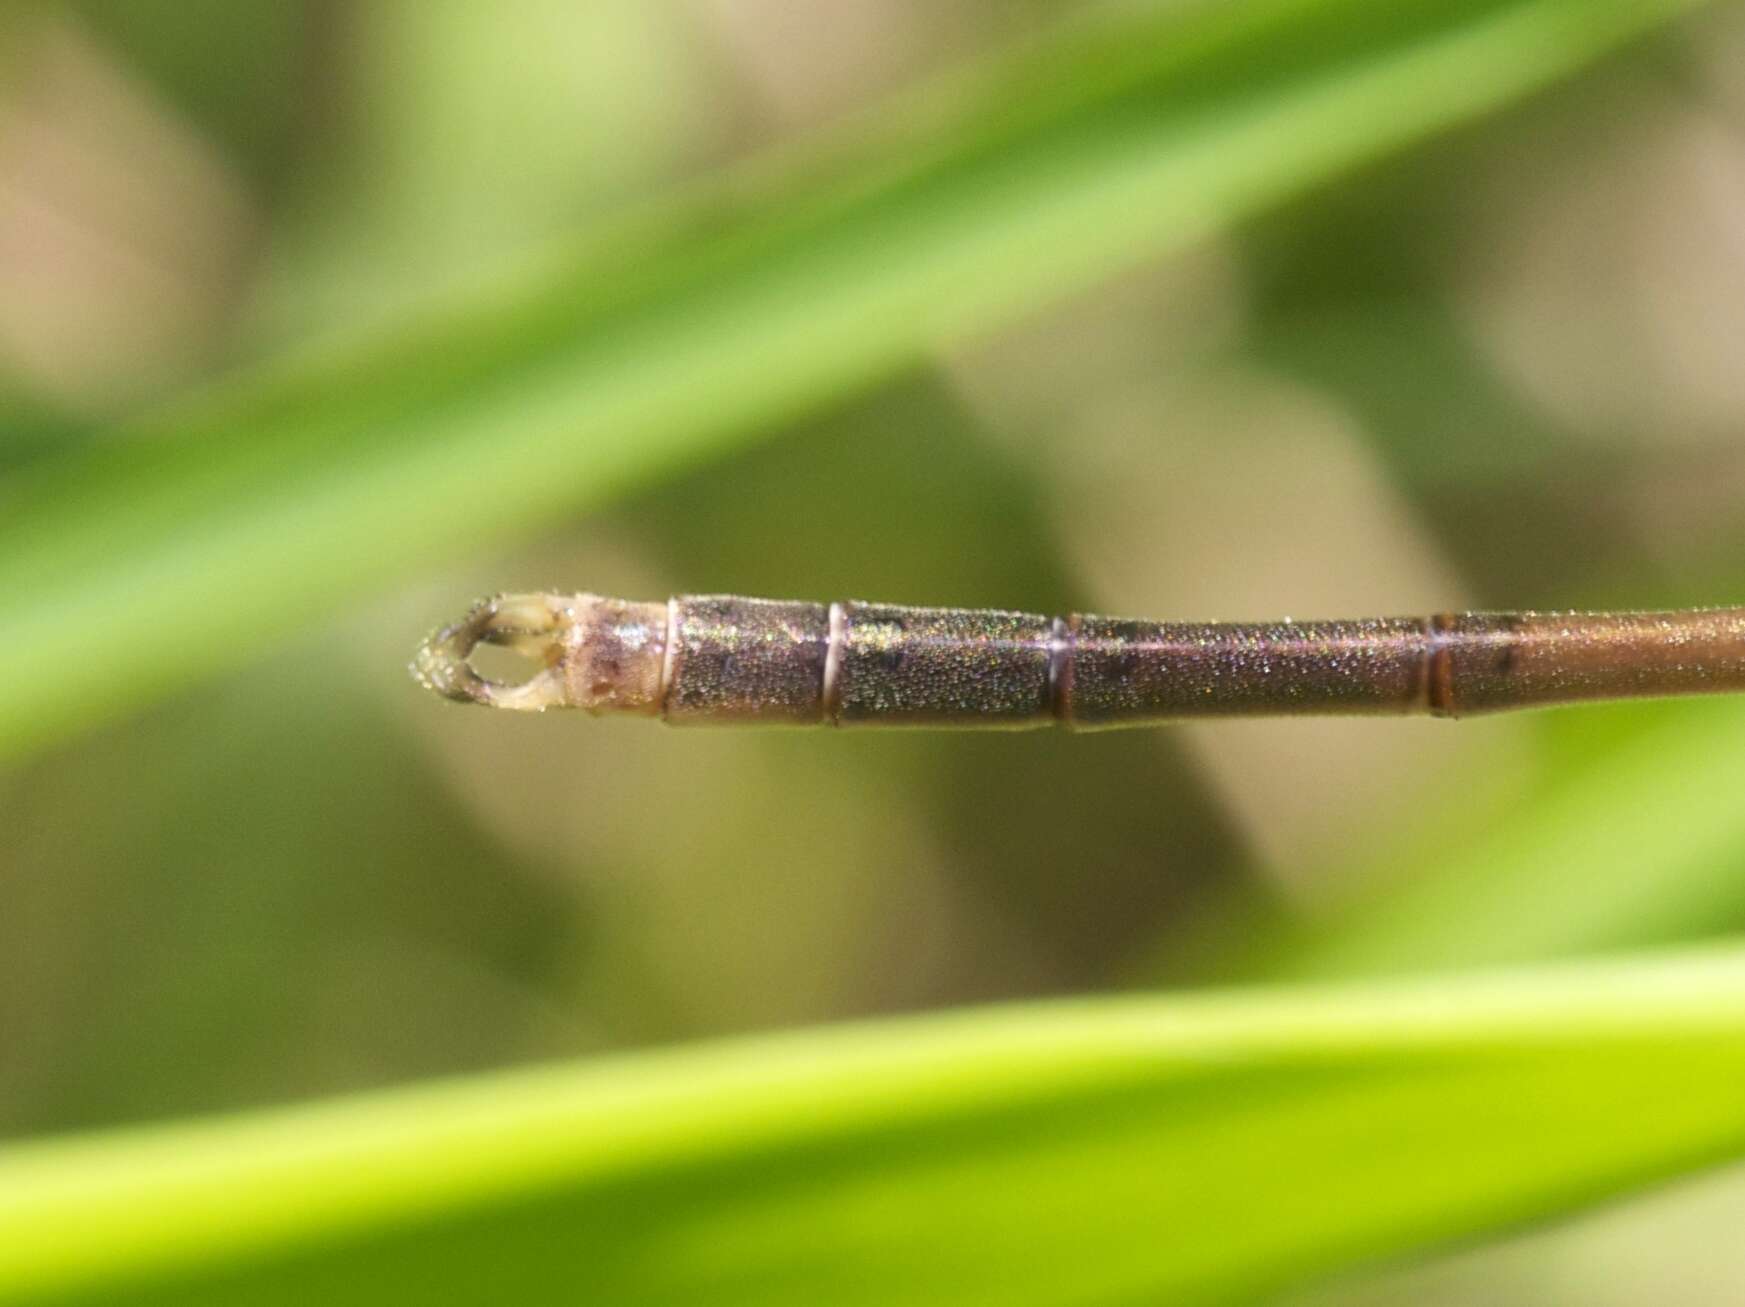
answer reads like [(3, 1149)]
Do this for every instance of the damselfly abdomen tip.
[(604, 655), (722, 658)]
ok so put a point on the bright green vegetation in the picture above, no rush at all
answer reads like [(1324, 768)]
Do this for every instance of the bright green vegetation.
[(250, 869), (1099, 1150)]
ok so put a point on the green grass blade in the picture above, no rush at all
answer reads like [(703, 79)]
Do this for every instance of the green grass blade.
[(1176, 1149), (1640, 843), (179, 547)]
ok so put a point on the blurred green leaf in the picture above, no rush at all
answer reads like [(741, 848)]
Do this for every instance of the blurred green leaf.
[(1178, 1149), (1636, 840), (194, 538), (231, 68)]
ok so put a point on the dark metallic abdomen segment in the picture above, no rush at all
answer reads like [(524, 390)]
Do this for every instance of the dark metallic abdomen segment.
[(746, 660), (1123, 671), (902, 666)]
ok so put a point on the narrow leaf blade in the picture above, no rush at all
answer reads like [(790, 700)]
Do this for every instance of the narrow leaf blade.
[(1178, 1149)]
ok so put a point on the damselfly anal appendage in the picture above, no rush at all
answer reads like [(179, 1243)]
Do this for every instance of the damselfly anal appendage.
[(720, 658)]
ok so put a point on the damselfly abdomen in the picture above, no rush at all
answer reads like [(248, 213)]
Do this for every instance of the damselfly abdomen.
[(721, 658)]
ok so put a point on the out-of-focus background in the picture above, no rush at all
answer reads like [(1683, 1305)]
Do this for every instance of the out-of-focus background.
[(1503, 370)]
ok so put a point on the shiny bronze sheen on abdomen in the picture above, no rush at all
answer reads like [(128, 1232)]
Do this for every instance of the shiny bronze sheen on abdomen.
[(725, 659)]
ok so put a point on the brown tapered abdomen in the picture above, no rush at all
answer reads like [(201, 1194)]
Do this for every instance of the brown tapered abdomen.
[(1119, 671), (1450, 665), (726, 659), (894, 665), (1486, 662)]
